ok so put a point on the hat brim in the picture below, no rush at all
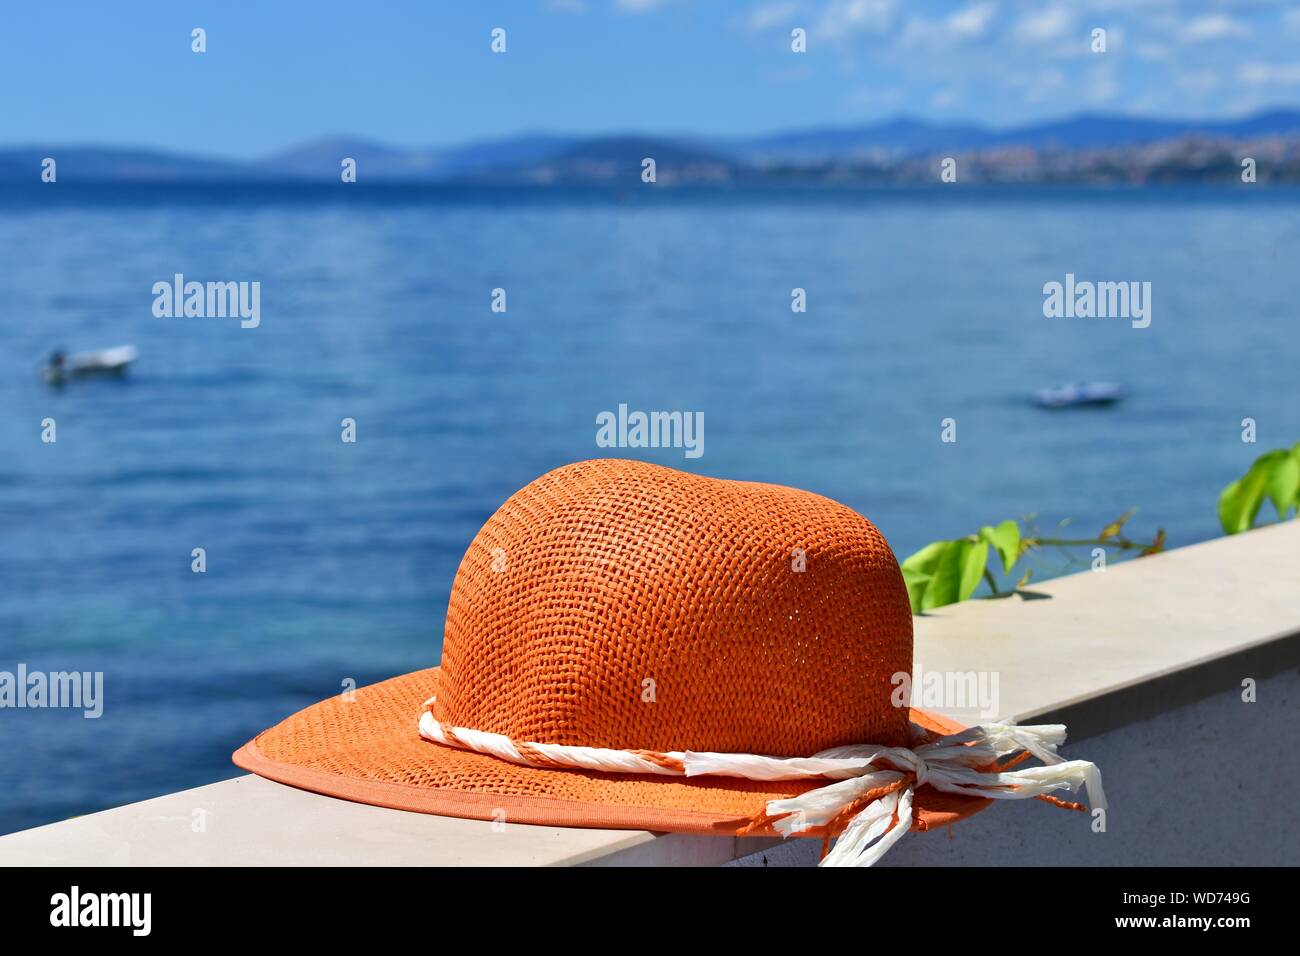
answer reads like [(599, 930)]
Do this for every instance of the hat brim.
[(367, 749)]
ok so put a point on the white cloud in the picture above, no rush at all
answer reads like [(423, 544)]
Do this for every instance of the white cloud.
[(1172, 56), (942, 99), (1197, 81), (1151, 52), (1102, 86), (844, 18), (876, 98), (1051, 79), (768, 15), (972, 21), (1044, 26), (1215, 26), (1040, 86), (1271, 74), (640, 6), (925, 37)]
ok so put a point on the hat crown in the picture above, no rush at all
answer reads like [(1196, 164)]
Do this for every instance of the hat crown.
[(625, 605)]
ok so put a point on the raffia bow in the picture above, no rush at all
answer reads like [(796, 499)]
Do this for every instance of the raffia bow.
[(867, 807)]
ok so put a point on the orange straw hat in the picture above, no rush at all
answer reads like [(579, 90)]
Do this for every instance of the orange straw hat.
[(630, 646)]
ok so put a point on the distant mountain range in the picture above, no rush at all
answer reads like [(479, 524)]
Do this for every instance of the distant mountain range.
[(1084, 147), (904, 136)]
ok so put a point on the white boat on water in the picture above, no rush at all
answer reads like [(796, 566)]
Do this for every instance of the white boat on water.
[(1085, 393), (115, 361)]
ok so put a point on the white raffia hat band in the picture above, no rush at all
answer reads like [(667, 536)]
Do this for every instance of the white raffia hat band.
[(868, 806)]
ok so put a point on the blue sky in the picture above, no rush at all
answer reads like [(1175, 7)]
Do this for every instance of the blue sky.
[(421, 73)]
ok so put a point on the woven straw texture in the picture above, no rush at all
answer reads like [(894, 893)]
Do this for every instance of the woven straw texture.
[(368, 750), (621, 572), (624, 605)]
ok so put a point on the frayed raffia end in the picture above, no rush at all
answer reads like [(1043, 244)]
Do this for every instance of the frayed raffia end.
[(867, 814)]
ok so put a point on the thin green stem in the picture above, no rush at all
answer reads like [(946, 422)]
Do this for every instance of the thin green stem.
[(1124, 544)]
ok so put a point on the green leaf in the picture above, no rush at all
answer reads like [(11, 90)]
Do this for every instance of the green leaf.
[(974, 561), (1274, 475), (946, 581), (957, 574), (1006, 539), (1295, 453), (916, 584), (927, 559), (1283, 481), (1239, 502), (918, 571)]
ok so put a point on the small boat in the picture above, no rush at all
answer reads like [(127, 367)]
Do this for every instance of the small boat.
[(115, 361), (1073, 394)]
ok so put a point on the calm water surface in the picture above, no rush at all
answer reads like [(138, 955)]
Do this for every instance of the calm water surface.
[(328, 561)]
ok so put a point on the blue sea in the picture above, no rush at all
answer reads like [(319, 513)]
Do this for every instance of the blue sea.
[(329, 561)]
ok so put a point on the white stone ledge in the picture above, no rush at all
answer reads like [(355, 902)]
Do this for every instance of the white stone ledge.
[(1124, 648)]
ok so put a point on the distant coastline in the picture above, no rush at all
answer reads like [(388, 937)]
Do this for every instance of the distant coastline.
[(1086, 149)]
